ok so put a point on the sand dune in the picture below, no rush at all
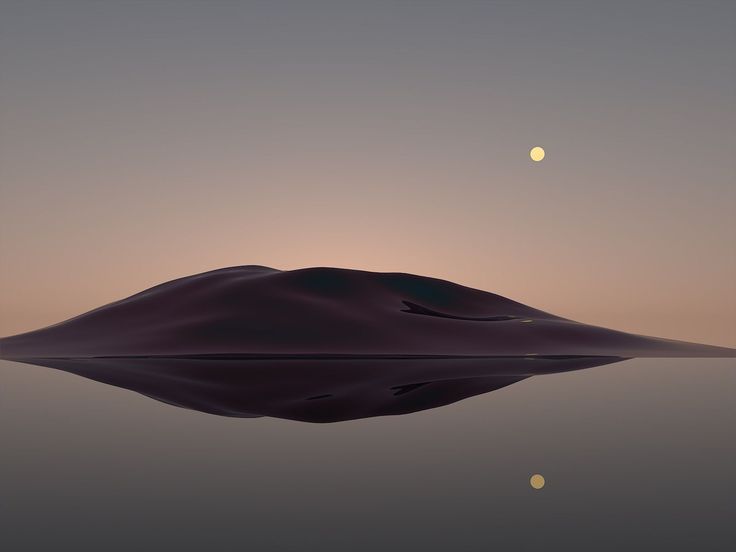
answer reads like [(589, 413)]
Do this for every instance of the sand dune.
[(258, 312)]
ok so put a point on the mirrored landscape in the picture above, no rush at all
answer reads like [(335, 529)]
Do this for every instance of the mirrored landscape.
[(640, 451)]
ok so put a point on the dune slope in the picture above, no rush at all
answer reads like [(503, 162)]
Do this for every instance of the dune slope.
[(256, 311)]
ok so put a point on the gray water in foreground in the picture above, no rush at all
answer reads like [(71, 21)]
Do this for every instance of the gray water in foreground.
[(638, 455)]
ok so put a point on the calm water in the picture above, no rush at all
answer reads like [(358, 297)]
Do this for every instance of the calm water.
[(638, 455)]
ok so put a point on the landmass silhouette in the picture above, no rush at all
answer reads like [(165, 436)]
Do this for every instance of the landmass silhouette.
[(323, 344)]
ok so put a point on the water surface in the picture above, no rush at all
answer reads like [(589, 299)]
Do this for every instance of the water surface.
[(636, 455)]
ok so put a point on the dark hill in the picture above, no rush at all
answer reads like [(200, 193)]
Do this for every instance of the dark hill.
[(255, 311)]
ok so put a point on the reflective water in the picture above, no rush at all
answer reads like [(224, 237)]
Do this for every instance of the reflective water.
[(636, 455), (316, 388)]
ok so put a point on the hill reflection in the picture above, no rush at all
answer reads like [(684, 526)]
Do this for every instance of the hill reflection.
[(326, 389)]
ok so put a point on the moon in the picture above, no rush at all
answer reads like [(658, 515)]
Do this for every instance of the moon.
[(536, 481), (536, 153)]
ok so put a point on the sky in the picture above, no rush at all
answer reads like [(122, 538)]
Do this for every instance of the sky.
[(144, 141)]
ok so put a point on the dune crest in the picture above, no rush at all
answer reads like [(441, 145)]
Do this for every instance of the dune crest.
[(260, 311)]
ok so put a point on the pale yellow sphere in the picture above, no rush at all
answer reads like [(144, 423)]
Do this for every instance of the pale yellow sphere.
[(536, 153), (536, 481)]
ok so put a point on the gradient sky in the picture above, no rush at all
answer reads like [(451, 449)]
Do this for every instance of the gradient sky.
[(143, 141)]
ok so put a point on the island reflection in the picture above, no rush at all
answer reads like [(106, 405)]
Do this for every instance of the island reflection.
[(318, 390)]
